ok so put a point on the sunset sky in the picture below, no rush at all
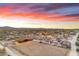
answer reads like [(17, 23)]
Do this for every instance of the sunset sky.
[(40, 15)]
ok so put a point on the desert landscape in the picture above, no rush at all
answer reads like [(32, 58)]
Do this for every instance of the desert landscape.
[(39, 29), (39, 41)]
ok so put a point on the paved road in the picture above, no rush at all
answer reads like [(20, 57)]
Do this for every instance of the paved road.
[(73, 51)]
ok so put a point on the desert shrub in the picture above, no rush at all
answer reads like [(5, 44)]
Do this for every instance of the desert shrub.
[(77, 43)]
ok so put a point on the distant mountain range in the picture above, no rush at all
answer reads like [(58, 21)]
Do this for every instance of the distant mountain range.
[(9, 28)]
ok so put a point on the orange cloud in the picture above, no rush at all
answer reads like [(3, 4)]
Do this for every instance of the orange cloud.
[(6, 12), (47, 17)]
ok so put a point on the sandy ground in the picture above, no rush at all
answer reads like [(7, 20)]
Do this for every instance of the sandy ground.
[(39, 49)]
